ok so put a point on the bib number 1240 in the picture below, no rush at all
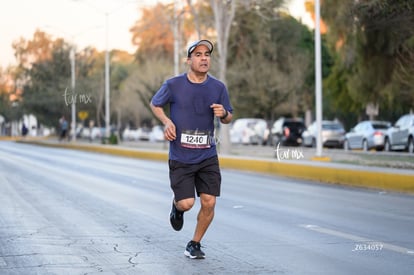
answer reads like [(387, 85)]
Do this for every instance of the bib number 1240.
[(195, 140)]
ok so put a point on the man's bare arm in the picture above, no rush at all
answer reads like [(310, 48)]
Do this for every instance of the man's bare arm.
[(169, 127)]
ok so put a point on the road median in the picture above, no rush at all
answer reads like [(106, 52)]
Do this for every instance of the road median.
[(359, 176)]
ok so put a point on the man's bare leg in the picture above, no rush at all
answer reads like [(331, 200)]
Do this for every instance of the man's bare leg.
[(205, 216)]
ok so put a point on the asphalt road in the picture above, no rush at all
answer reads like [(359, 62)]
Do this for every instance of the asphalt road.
[(72, 212)]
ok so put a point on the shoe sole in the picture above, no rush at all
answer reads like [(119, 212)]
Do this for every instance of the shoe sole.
[(177, 225), (186, 253)]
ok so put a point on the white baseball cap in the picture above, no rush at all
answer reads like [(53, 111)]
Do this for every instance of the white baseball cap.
[(194, 45)]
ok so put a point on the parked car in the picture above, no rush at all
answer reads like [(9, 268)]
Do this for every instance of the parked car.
[(143, 133), (97, 133), (157, 134), (333, 134), (287, 131), (249, 131), (401, 135), (135, 134), (128, 134), (367, 135)]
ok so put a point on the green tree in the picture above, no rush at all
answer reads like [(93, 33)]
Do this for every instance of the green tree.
[(46, 71), (90, 82), (271, 65), (373, 44), (143, 81)]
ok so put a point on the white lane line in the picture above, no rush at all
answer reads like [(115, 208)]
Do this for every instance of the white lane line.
[(358, 239), (2, 262)]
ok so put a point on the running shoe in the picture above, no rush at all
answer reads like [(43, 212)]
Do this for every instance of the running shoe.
[(193, 250), (176, 218)]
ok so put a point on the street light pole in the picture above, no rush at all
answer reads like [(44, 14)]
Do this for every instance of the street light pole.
[(175, 31), (107, 91), (107, 75), (318, 80), (72, 61), (72, 57)]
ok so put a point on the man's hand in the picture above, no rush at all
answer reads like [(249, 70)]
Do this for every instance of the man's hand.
[(218, 110), (169, 131)]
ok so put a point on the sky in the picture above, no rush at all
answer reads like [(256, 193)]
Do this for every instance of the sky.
[(80, 21)]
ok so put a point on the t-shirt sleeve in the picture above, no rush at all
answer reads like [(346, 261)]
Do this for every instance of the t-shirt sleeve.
[(162, 96)]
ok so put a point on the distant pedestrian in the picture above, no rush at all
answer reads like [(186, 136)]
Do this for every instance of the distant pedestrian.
[(24, 130), (63, 128), (91, 125), (195, 99)]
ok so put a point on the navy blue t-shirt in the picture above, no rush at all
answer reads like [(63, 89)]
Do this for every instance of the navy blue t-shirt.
[(191, 113)]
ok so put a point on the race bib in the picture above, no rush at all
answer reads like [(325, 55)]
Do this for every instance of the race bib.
[(195, 139)]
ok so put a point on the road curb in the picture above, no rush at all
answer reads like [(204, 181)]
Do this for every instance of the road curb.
[(391, 181), (345, 176)]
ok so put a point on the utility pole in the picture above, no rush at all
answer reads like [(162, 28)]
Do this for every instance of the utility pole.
[(107, 82), (72, 62), (107, 65), (318, 79), (175, 32)]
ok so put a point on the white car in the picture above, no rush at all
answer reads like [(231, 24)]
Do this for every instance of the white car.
[(130, 134), (401, 135), (333, 134), (366, 135), (249, 131), (157, 134)]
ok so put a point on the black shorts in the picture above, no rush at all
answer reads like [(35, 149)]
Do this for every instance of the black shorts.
[(188, 179)]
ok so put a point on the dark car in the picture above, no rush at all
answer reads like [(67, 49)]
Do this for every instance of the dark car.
[(401, 135), (366, 135), (287, 132)]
